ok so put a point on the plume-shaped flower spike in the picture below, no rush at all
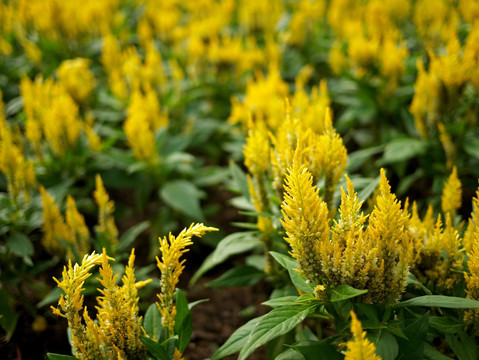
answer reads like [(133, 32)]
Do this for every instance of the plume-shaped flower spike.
[(359, 347), (305, 219), (172, 248)]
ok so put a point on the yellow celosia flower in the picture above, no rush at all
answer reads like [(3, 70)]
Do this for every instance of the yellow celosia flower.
[(116, 331), (144, 118), (434, 20), (447, 144), (359, 348), (70, 304), (79, 231), (350, 257), (472, 278), (387, 228), (106, 221), (54, 227), (118, 318), (451, 198), (52, 114), (19, 172), (305, 220), (172, 248), (77, 79)]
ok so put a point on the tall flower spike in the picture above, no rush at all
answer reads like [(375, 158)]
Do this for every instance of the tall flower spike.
[(106, 221), (71, 303), (451, 198), (118, 312), (387, 229), (350, 257), (472, 279), (172, 248), (359, 348), (79, 231), (54, 227), (305, 219)]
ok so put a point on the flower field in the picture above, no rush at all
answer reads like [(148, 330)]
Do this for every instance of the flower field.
[(317, 160)]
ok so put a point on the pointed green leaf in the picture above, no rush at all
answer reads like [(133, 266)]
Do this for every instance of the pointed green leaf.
[(237, 340), (183, 322), (318, 350), (239, 276), (299, 280), (155, 349), (233, 244), (152, 323), (131, 234), (464, 347), (413, 347), (183, 196), (343, 292), (451, 302), (277, 322), (385, 343), (52, 356), (19, 244)]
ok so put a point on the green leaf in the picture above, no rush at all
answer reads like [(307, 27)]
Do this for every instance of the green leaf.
[(52, 356), (289, 354), (445, 325), (358, 158), (403, 149), (318, 350), (471, 147), (237, 340), (233, 244), (432, 354), (299, 280), (19, 244), (51, 297), (411, 280), (282, 301), (152, 323), (413, 347), (464, 347), (8, 316), (183, 322), (366, 192), (239, 178), (238, 276), (184, 197), (386, 344), (343, 292), (155, 349), (131, 234), (451, 302), (277, 322)]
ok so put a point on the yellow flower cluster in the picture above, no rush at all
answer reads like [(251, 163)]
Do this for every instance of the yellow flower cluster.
[(116, 331), (76, 78), (59, 19), (376, 258), (359, 347), (52, 114), (60, 237), (368, 39), (144, 118), (170, 266), (19, 171)]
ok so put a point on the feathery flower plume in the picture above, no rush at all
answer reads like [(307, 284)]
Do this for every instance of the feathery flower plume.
[(170, 266), (359, 348)]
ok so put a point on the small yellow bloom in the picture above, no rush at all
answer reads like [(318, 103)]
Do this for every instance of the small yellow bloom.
[(359, 348)]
